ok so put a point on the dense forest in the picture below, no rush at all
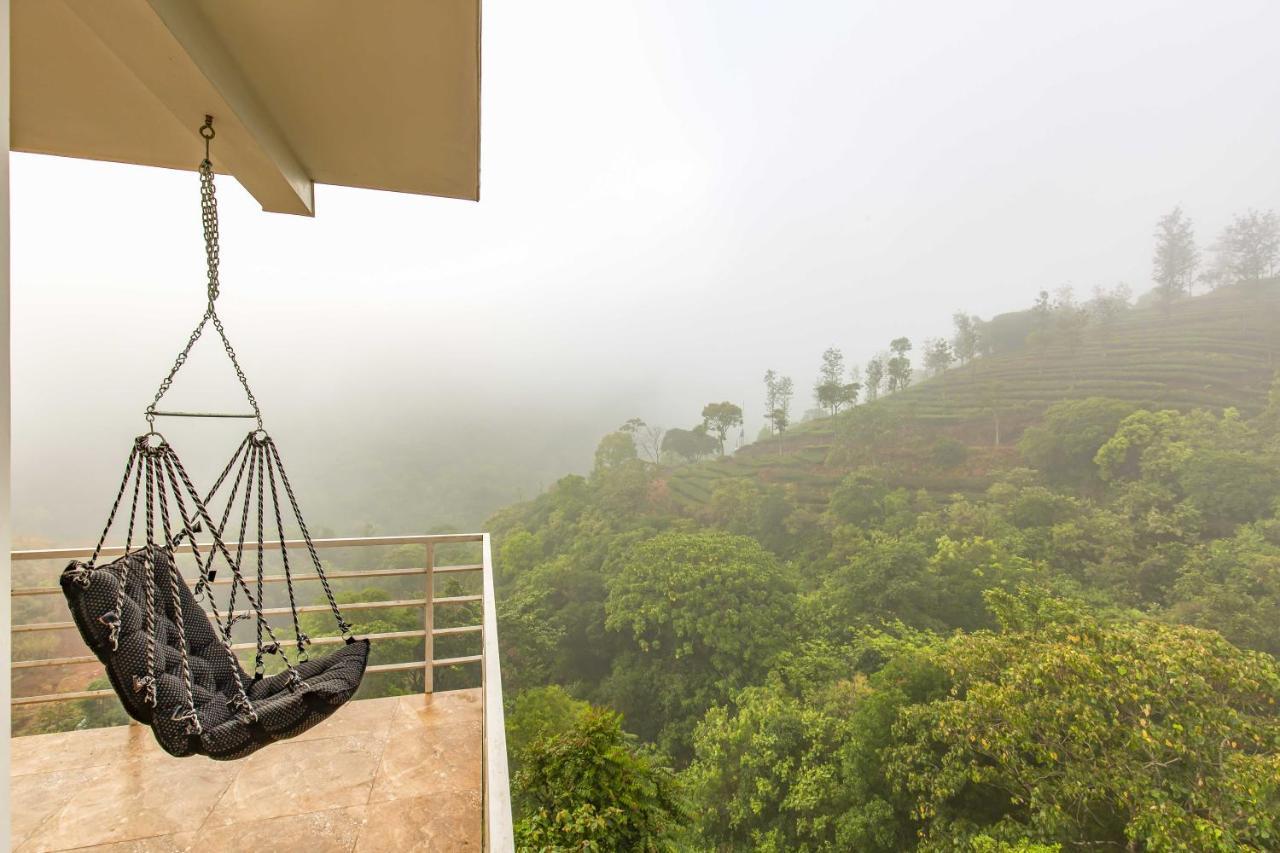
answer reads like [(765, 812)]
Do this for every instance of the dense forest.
[(1026, 604)]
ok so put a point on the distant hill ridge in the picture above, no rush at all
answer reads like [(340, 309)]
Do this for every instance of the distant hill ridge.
[(1213, 351)]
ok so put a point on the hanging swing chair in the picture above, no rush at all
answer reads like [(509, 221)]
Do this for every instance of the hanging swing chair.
[(172, 663)]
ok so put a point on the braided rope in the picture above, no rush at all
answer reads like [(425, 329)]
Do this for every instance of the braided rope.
[(115, 506), (241, 701), (113, 626), (343, 625), (257, 665), (175, 601), (148, 684), (255, 604), (300, 638), (244, 523)]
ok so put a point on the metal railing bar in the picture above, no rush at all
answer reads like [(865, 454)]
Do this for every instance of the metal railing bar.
[(315, 641), (464, 629), (61, 697), (347, 542), (43, 662), (407, 666), (268, 611), (439, 662), (379, 573), (467, 567), (498, 832)]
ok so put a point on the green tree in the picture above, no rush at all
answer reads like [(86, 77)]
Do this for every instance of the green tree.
[(967, 340), (1173, 265), (1064, 444), (1063, 729), (613, 450), (898, 368), (691, 444), (702, 615), (1249, 248), (874, 377), (719, 418), (593, 788)]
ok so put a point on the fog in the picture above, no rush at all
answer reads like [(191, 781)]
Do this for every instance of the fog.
[(675, 197)]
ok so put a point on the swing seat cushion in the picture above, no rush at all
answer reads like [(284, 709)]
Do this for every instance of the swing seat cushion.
[(283, 710)]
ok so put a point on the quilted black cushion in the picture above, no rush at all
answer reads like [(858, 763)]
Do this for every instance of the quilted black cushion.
[(282, 713)]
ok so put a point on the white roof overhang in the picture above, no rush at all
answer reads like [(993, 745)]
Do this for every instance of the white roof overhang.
[(383, 94)]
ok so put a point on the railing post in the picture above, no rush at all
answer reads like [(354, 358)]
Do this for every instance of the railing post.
[(429, 623)]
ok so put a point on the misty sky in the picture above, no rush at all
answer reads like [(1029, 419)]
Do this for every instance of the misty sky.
[(675, 197)]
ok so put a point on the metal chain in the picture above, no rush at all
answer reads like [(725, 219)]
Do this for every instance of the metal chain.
[(209, 225)]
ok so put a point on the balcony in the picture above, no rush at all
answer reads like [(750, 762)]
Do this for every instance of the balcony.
[(424, 770)]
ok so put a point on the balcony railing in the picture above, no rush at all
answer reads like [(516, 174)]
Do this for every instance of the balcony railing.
[(495, 787)]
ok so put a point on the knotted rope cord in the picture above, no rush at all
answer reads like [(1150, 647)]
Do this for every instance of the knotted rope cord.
[(114, 629), (257, 449), (188, 712), (240, 703), (254, 604), (244, 525), (115, 506), (343, 625), (209, 222), (147, 684), (300, 638)]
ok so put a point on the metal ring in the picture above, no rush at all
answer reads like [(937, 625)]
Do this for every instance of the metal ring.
[(208, 126)]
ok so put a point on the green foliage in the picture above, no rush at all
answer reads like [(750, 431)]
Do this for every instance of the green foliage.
[(701, 613), (719, 418), (614, 449), (541, 712), (1064, 445), (690, 444), (592, 788), (823, 629), (948, 453), (1090, 734)]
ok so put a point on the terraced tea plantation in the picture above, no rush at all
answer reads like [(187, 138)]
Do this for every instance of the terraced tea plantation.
[(1213, 351)]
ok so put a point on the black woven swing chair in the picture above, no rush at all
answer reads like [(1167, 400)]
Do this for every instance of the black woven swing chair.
[(172, 663)]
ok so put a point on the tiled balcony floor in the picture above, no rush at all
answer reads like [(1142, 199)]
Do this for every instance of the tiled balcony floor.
[(394, 774)]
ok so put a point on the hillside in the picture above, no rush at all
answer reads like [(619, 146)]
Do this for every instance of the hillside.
[(1212, 351)]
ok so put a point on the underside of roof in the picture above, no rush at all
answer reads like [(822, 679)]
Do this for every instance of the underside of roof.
[(383, 94)]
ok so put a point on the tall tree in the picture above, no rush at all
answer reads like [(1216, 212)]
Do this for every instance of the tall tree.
[(874, 377), (937, 356), (1249, 248), (830, 389), (780, 414), (770, 396), (966, 341), (719, 418), (899, 366), (647, 438), (1174, 263)]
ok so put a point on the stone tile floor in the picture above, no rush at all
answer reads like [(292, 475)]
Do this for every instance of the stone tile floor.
[(395, 774)]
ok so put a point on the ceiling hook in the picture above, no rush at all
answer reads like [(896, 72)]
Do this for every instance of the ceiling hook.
[(206, 132)]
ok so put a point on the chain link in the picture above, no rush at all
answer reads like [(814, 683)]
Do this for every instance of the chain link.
[(209, 225)]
